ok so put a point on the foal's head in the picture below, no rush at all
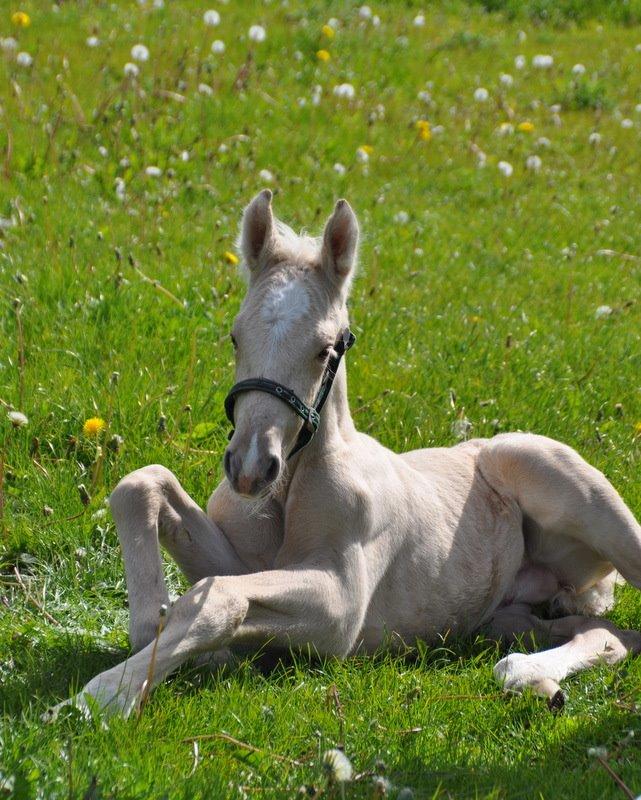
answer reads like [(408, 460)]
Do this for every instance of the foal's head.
[(285, 331)]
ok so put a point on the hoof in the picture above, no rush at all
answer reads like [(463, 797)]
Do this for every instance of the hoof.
[(556, 702)]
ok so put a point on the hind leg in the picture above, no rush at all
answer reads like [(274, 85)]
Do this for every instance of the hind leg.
[(575, 521), (580, 642)]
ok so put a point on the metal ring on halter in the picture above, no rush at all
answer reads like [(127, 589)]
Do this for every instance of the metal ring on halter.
[(309, 414)]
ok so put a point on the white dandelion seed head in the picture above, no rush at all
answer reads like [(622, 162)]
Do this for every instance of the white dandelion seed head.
[(153, 171), (8, 44), (533, 163), (218, 46), (543, 141), (103, 151), (520, 62), (597, 752), (339, 169), (120, 188), (542, 61), (602, 311), (594, 138), (17, 419), (345, 90), (211, 18), (365, 12), (333, 23), (505, 168), (93, 41), (362, 155), (139, 52), (505, 129), (401, 217), (637, 108), (578, 69), (506, 79), (376, 20), (627, 123), (257, 33), (205, 88), (131, 70), (419, 21), (521, 36), (184, 156), (337, 766), (24, 59), (266, 176), (481, 95), (637, 48)]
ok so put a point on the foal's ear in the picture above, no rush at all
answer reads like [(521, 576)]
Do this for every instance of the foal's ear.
[(257, 230), (340, 242)]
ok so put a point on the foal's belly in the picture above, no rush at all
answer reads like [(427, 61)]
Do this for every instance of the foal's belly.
[(461, 549)]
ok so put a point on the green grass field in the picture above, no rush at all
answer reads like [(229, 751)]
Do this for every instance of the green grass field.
[(485, 302)]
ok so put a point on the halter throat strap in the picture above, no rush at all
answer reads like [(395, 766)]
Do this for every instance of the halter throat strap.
[(309, 414)]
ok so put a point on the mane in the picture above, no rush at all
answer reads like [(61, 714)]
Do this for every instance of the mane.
[(299, 248)]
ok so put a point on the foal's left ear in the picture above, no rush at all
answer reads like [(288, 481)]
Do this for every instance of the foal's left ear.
[(340, 242)]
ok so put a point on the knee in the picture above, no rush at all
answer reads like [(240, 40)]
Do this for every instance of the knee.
[(140, 489)]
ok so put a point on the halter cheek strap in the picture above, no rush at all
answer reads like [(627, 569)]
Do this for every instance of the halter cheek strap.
[(309, 414)]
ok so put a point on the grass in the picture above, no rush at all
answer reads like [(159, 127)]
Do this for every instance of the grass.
[(476, 300)]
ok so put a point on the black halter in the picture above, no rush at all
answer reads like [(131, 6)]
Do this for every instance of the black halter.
[(309, 414)]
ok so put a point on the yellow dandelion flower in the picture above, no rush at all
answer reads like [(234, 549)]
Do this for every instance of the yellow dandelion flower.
[(94, 426), (21, 19), (323, 55), (424, 130), (367, 149), (328, 31), (637, 428), (230, 258), (525, 127)]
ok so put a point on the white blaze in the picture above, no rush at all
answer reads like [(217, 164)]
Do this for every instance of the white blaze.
[(285, 305)]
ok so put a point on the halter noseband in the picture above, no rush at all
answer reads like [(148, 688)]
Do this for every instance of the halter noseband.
[(309, 414)]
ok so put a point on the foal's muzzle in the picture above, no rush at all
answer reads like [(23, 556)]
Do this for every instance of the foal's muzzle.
[(251, 476)]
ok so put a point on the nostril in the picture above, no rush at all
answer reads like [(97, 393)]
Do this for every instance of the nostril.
[(227, 463), (273, 469)]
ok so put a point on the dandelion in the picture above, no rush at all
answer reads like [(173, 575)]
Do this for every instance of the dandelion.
[(257, 33), (505, 168), (578, 69), (323, 55), (425, 97), (317, 94), (24, 59), (21, 19), (637, 429), (230, 258), (364, 152), (424, 130), (211, 18), (93, 426), (139, 52), (597, 752), (266, 176), (481, 95), (93, 41), (520, 62), (328, 31), (627, 123), (120, 189), (525, 127), (17, 419), (402, 217), (506, 79), (205, 88), (365, 12), (533, 163), (218, 46), (543, 141), (344, 90), (419, 21), (184, 156), (339, 169), (337, 766), (542, 61), (505, 129), (637, 108), (602, 311), (8, 44), (131, 70), (153, 171)]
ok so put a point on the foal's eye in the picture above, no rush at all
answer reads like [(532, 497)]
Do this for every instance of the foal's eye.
[(324, 353)]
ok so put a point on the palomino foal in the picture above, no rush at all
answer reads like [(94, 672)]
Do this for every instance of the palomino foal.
[(342, 545)]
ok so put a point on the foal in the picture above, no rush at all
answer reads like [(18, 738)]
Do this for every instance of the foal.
[(334, 542)]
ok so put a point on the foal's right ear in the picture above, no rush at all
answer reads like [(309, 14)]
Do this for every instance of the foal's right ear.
[(340, 242), (257, 231)]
